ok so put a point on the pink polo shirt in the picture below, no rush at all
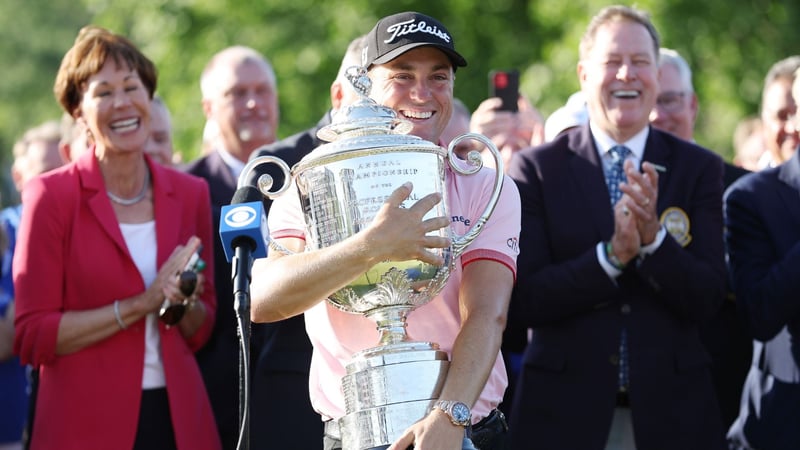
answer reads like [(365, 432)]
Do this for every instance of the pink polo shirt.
[(337, 335)]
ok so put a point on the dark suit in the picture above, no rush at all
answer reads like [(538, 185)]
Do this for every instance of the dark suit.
[(219, 358), (763, 238), (290, 150), (280, 405), (727, 341), (732, 173), (567, 388)]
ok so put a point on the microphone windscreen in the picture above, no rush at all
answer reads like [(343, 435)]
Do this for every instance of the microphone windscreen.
[(247, 194)]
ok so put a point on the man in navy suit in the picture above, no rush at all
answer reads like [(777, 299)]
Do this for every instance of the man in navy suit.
[(614, 293), (762, 218), (280, 401), (240, 97)]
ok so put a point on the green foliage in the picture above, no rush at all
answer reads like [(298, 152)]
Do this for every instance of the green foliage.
[(729, 44), (32, 43)]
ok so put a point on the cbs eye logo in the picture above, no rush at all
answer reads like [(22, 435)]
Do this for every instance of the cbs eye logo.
[(240, 216)]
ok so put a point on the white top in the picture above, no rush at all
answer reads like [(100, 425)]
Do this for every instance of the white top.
[(141, 241)]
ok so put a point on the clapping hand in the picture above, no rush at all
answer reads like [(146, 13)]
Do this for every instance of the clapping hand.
[(641, 198)]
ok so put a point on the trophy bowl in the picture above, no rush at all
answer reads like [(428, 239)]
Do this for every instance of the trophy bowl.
[(341, 186)]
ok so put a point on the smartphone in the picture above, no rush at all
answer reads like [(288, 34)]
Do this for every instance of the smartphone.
[(505, 84)]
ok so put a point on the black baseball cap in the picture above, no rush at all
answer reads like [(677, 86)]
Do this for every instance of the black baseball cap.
[(396, 34)]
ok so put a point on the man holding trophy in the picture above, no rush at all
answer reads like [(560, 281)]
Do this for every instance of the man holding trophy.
[(410, 60)]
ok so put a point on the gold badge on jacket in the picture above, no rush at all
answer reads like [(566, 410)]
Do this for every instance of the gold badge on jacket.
[(676, 222)]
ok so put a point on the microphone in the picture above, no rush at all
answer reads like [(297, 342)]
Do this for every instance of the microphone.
[(244, 223), (243, 231), (244, 234)]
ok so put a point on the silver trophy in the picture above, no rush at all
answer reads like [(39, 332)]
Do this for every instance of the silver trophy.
[(342, 185)]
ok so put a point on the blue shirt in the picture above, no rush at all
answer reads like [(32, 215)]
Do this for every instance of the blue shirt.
[(13, 376)]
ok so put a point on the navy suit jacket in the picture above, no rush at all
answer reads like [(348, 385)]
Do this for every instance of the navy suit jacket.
[(219, 358), (280, 396), (763, 238), (291, 150), (567, 387)]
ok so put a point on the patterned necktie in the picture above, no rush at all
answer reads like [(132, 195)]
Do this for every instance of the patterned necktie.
[(614, 177), (616, 174)]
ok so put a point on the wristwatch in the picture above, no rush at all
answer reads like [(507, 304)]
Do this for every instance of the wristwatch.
[(458, 412)]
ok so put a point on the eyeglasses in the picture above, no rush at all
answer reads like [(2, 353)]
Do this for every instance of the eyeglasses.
[(670, 101)]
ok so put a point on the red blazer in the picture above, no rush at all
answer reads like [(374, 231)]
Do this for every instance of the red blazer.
[(71, 255)]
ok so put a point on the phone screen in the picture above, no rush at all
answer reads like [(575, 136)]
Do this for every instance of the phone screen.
[(505, 84)]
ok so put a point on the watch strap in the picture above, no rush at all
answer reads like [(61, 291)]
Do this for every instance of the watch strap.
[(464, 419)]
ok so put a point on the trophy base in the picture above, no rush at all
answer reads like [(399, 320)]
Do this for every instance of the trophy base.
[(398, 353), (387, 389), (377, 428)]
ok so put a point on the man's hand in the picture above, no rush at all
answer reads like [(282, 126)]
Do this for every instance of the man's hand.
[(433, 432), (642, 192), (400, 234), (508, 131), (625, 242)]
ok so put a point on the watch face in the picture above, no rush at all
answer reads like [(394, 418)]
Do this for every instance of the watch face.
[(461, 412)]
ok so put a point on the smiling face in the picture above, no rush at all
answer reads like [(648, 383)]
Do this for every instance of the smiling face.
[(115, 107), (619, 77), (244, 104), (676, 107), (780, 131), (418, 85)]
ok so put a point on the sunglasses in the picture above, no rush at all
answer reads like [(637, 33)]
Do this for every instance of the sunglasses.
[(172, 313)]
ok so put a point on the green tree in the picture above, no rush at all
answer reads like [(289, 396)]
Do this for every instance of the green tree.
[(32, 39), (729, 44)]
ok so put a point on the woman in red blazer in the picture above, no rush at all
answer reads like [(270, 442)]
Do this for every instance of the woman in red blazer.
[(100, 245)]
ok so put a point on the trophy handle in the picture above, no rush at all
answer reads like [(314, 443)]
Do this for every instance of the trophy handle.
[(460, 243), (264, 182)]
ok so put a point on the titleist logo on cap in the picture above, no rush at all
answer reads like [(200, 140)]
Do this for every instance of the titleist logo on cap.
[(409, 27), (394, 35)]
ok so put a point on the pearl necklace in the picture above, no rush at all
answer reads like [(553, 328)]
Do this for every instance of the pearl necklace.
[(134, 200)]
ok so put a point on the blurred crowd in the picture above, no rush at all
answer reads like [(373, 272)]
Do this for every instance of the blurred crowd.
[(664, 320)]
